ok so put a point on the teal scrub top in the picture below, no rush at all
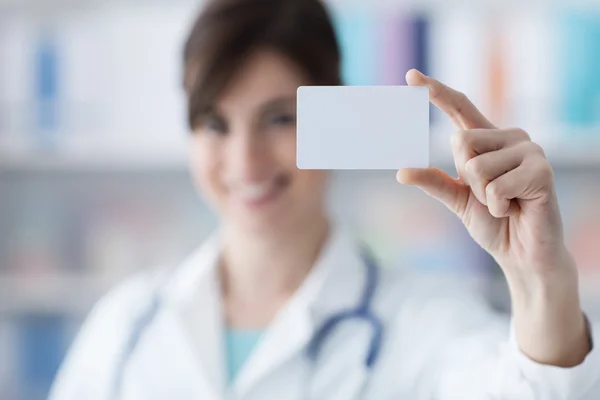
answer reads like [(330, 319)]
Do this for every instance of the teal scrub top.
[(239, 344)]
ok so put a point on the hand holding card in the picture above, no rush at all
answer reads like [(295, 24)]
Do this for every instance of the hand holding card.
[(506, 197)]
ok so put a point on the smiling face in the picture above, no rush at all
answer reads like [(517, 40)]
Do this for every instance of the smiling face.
[(244, 151)]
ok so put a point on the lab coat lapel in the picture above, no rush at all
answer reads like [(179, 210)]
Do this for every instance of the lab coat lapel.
[(334, 284), (167, 368), (194, 299), (285, 337)]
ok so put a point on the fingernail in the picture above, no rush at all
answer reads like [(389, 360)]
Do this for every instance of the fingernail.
[(419, 74)]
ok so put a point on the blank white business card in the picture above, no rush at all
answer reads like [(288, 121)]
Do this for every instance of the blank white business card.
[(362, 127)]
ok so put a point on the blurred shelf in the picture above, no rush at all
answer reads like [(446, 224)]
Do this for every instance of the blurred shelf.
[(581, 152), (575, 159), (103, 162), (64, 292), (154, 163)]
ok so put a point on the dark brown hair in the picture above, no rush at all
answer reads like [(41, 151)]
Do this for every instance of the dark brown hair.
[(227, 31)]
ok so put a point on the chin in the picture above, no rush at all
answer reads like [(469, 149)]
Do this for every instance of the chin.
[(273, 224)]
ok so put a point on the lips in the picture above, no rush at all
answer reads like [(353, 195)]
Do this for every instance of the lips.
[(261, 193)]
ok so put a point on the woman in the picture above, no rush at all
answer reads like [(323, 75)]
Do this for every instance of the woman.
[(243, 317)]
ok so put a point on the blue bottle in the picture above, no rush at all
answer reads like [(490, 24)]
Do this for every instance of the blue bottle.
[(46, 94)]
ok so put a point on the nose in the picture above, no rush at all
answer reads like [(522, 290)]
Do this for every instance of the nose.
[(250, 158)]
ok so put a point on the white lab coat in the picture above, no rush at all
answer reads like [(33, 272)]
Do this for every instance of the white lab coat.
[(438, 343)]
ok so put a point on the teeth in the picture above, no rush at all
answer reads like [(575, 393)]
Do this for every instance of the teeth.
[(253, 192)]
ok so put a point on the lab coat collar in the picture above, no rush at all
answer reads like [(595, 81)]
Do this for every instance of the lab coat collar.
[(193, 296), (334, 283)]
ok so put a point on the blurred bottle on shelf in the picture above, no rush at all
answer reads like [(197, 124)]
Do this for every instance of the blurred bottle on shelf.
[(41, 346), (579, 55), (531, 66), (397, 49), (406, 37), (458, 44), (496, 73), (47, 91), (357, 32)]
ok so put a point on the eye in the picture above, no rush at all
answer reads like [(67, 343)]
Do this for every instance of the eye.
[(214, 124), (282, 119)]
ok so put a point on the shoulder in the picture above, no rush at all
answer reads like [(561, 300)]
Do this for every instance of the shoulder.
[(91, 357), (111, 318), (119, 305), (125, 298)]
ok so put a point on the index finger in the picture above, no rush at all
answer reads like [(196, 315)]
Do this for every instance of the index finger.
[(458, 107)]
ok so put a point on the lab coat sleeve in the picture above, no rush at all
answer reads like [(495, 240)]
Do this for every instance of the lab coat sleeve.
[(481, 359), (579, 382), (87, 370)]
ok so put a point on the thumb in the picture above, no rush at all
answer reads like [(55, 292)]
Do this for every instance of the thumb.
[(437, 184)]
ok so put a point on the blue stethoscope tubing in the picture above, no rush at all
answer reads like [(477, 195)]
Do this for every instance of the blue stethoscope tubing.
[(363, 311)]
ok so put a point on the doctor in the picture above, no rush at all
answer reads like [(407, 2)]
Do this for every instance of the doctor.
[(280, 304)]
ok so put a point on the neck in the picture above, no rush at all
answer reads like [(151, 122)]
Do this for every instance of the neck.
[(257, 268)]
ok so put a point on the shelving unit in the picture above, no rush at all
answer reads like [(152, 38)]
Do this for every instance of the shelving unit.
[(32, 164), (59, 292)]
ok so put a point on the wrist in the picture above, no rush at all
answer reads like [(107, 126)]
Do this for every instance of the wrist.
[(549, 324), (539, 281)]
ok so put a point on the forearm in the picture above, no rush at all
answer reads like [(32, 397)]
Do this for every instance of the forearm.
[(549, 325)]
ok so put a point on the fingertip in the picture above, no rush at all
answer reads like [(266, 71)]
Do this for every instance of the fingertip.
[(414, 77), (501, 210), (401, 176), (408, 176)]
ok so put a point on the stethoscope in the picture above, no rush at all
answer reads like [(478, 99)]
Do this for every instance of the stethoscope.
[(362, 311)]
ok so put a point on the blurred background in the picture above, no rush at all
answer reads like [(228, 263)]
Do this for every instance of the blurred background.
[(93, 173)]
